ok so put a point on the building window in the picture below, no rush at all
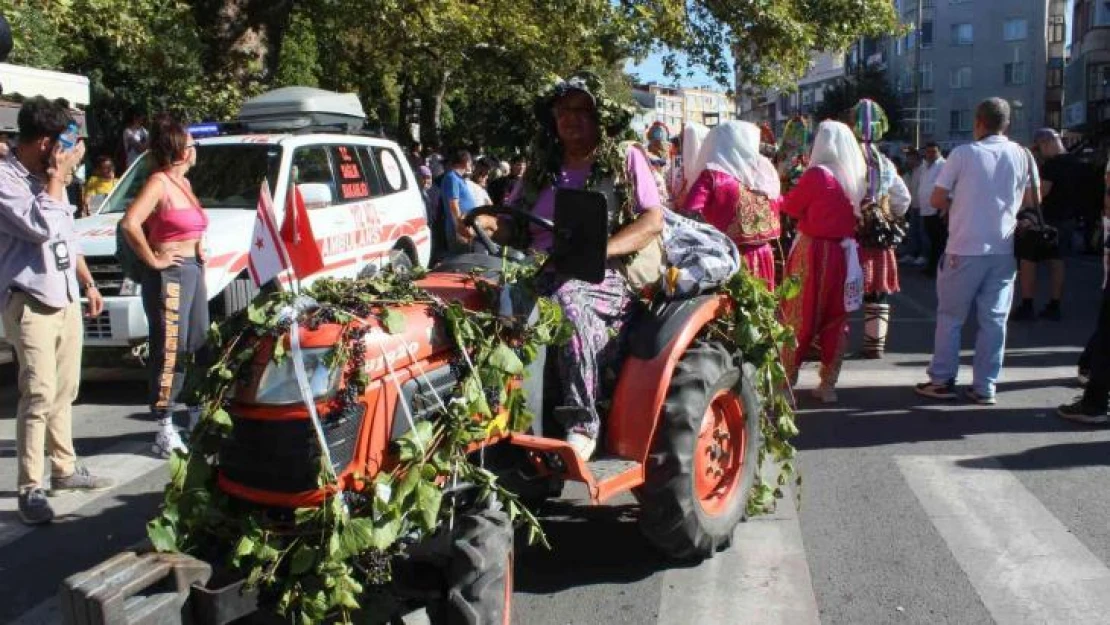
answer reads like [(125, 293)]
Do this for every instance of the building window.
[(1052, 119), (960, 77), (1098, 82), (1056, 29), (927, 34), (959, 120), (962, 34), (1015, 73), (927, 76), (928, 124), (906, 81), (958, 1), (1015, 29), (1055, 77)]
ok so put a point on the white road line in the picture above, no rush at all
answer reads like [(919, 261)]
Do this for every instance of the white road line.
[(762, 579), (124, 463), (1026, 566)]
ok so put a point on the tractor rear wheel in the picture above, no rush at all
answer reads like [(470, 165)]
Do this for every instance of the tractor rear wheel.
[(703, 461), (480, 571)]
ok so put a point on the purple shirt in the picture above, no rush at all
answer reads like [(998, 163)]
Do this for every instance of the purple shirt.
[(646, 193), (32, 223)]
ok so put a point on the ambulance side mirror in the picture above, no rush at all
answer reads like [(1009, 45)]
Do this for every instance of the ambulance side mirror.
[(316, 194)]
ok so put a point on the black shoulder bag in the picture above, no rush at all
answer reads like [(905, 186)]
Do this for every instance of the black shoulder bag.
[(1034, 240)]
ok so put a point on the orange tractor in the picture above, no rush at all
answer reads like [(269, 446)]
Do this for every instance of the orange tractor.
[(682, 435)]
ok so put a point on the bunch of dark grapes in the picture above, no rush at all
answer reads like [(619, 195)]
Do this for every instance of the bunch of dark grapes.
[(493, 397)]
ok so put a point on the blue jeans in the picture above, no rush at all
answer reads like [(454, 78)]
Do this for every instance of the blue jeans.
[(917, 240), (988, 281)]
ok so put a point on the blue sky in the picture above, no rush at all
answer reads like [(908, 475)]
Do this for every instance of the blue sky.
[(651, 70)]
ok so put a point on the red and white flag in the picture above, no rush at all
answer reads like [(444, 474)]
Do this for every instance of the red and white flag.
[(267, 258), (296, 231)]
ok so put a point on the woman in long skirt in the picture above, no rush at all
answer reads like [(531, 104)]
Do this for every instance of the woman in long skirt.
[(825, 202)]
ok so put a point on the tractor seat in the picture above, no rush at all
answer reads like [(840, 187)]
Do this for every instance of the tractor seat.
[(654, 326)]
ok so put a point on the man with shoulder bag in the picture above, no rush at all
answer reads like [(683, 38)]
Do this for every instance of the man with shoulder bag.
[(42, 275), (981, 188)]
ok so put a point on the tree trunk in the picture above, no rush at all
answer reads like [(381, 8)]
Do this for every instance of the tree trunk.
[(431, 109)]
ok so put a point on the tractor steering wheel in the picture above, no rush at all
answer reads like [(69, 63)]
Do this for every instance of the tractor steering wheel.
[(470, 221)]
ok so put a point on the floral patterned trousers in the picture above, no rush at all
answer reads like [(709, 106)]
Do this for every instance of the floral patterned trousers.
[(598, 313)]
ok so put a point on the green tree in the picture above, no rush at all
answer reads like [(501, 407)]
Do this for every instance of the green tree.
[(299, 59)]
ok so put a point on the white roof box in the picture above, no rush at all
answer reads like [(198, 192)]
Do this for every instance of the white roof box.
[(296, 108)]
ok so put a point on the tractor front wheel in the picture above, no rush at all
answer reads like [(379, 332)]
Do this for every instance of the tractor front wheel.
[(703, 461), (480, 571)]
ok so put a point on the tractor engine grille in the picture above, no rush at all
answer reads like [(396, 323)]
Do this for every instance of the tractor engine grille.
[(107, 272), (282, 456), (421, 398)]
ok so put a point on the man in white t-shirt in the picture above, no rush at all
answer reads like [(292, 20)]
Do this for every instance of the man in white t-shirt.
[(981, 188), (935, 229), (135, 138)]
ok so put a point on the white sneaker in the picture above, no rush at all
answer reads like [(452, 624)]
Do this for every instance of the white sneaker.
[(825, 394), (166, 442), (583, 445), (920, 261)]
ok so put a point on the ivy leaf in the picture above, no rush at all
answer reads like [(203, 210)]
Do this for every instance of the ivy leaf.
[(386, 530), (408, 485), (393, 321), (220, 417), (244, 547), (303, 559), (178, 463), (279, 350), (256, 315), (162, 535), (505, 359), (357, 536), (428, 500)]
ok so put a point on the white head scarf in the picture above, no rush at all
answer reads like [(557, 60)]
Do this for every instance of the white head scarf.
[(835, 148), (733, 148), (693, 139)]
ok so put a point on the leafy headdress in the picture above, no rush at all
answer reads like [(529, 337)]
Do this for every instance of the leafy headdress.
[(614, 121)]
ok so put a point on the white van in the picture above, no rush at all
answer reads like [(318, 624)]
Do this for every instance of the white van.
[(363, 200)]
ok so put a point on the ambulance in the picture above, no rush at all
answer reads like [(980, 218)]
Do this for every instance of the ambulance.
[(363, 200)]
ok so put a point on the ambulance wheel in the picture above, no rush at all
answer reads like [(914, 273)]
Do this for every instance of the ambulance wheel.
[(703, 462), (400, 262)]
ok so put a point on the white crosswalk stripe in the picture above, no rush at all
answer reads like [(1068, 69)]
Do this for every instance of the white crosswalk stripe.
[(1024, 563)]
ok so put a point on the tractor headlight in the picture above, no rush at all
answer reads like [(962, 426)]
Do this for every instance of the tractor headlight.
[(129, 287), (278, 383)]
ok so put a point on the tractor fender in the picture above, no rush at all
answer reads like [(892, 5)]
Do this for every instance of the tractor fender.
[(655, 347)]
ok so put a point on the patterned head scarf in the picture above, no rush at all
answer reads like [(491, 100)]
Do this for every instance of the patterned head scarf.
[(870, 123)]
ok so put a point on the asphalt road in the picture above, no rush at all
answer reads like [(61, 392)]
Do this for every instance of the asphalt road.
[(912, 511)]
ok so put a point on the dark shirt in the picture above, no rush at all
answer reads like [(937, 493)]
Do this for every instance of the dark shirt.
[(500, 189), (1069, 178)]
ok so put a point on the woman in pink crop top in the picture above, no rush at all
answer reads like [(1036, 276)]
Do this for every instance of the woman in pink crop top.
[(825, 202), (165, 227)]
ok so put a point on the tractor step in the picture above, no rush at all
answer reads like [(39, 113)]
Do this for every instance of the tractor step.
[(610, 466), (604, 477)]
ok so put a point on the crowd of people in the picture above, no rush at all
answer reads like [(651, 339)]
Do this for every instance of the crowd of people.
[(825, 207)]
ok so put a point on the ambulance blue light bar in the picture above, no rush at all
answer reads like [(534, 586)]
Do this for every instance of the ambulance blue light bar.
[(200, 131)]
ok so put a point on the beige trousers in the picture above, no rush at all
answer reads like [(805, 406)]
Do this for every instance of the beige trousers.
[(48, 343)]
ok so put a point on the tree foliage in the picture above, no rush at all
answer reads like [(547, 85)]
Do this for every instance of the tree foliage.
[(466, 70), (871, 84)]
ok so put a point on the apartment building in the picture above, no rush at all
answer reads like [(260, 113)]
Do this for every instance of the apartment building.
[(676, 105), (974, 49), (776, 106), (1087, 80)]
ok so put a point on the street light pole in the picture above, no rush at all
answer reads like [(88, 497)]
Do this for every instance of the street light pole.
[(917, 77)]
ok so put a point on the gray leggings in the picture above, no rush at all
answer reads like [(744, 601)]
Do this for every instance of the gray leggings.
[(176, 305)]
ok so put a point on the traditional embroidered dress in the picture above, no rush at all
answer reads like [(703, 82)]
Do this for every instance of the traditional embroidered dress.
[(724, 194), (825, 218), (715, 196), (877, 250), (826, 203)]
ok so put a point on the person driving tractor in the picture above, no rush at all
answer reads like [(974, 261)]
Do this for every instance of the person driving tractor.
[(577, 146)]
